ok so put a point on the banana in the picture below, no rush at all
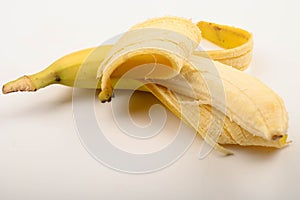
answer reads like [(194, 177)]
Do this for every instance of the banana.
[(253, 114)]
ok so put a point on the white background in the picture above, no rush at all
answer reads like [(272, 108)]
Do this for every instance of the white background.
[(41, 156)]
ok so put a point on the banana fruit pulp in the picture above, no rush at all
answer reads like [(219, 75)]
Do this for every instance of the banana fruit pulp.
[(246, 111)]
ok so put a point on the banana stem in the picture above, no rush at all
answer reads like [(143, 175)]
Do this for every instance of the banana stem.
[(31, 83)]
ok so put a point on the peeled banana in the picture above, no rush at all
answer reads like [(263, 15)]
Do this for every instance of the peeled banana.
[(250, 113)]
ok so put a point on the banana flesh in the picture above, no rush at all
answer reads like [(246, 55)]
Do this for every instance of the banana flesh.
[(254, 114), (231, 133)]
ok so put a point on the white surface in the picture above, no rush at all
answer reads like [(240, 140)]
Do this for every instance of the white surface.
[(40, 152)]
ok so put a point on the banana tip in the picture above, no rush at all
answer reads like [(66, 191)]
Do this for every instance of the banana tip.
[(7, 88), (4, 89), (20, 84)]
